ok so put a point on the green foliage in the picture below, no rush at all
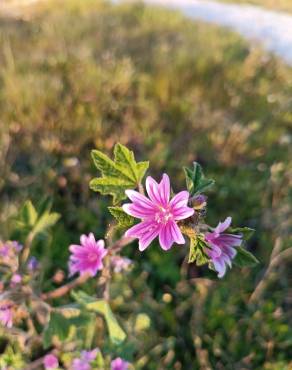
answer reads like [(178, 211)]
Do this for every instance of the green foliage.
[(197, 252), (63, 327), (196, 181), (119, 174), (101, 307), (227, 105), (244, 258), (11, 359), (124, 220), (246, 232), (36, 222)]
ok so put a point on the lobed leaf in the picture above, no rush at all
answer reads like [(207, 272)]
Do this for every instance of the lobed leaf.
[(196, 181), (119, 174), (124, 220)]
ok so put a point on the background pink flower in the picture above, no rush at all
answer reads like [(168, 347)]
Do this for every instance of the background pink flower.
[(6, 316), (87, 257), (222, 251), (159, 215), (119, 364), (51, 362)]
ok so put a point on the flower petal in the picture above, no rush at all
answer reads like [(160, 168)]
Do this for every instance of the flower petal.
[(164, 189), (176, 233), (220, 267), (222, 226), (182, 213), (153, 191), (165, 236), (180, 200), (140, 199), (145, 231), (135, 210)]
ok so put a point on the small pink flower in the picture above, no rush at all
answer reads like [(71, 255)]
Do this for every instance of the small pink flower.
[(120, 263), (15, 279), (6, 316), (222, 251), (89, 356), (159, 214), (87, 257), (79, 364), (119, 364), (51, 362), (83, 363)]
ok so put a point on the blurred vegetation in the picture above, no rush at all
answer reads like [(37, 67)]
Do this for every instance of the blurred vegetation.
[(89, 74)]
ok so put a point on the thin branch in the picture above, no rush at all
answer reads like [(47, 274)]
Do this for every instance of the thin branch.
[(281, 258), (60, 292)]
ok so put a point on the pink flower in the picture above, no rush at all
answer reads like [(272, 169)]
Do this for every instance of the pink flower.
[(89, 356), (83, 363), (119, 364), (158, 214), (51, 362), (222, 251), (79, 364), (87, 257), (15, 279), (120, 263), (6, 316)]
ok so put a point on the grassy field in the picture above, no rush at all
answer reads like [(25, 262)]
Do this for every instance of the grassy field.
[(88, 74)]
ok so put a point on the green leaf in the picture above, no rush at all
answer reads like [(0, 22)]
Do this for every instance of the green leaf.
[(116, 333), (29, 214), (61, 327), (244, 258), (45, 222), (57, 327), (119, 174), (124, 220), (246, 232), (198, 251), (196, 181)]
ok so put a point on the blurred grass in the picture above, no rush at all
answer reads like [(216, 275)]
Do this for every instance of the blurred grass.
[(89, 74)]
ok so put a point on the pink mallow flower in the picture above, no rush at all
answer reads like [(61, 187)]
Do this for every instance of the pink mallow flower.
[(119, 364), (83, 363), (6, 316), (222, 246), (120, 263), (50, 362), (159, 215), (87, 257)]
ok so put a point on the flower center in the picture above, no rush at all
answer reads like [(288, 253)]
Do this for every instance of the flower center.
[(163, 216), (92, 257)]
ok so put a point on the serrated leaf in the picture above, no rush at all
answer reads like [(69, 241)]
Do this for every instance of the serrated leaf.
[(119, 175), (244, 258), (246, 232), (124, 220), (198, 251), (116, 333), (196, 181)]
